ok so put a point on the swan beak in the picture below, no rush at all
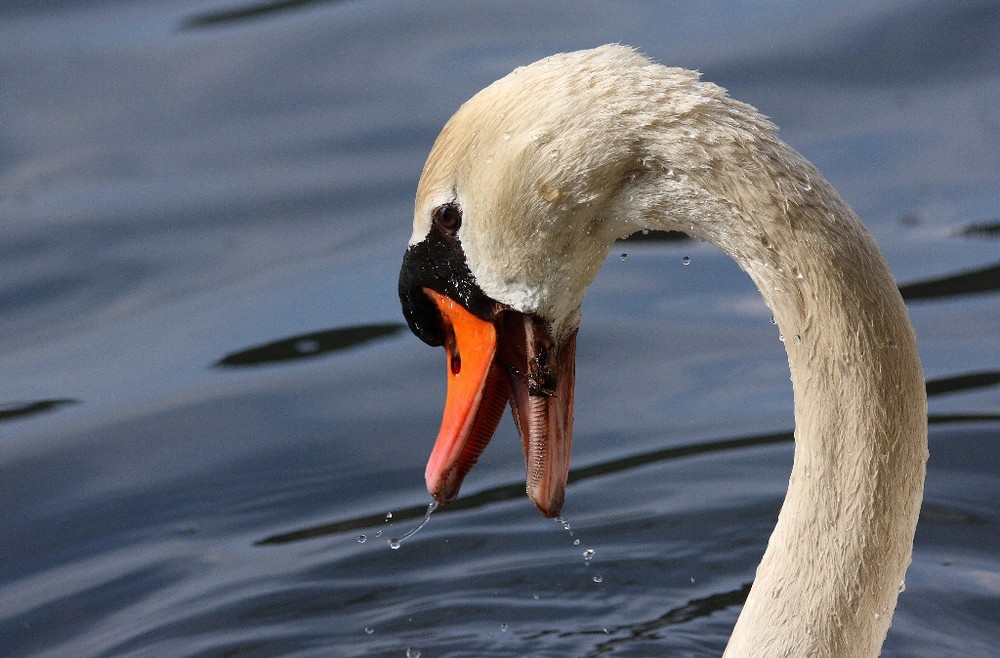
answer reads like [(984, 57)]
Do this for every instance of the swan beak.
[(477, 393), (490, 364)]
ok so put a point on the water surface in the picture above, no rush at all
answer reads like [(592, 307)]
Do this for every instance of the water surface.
[(208, 396)]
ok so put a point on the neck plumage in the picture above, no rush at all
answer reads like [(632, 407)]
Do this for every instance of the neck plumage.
[(835, 563)]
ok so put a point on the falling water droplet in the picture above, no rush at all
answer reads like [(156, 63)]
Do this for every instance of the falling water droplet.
[(412, 652), (598, 578), (369, 630), (503, 628), (388, 516), (396, 541), (686, 260), (576, 542), (378, 534), (534, 596), (362, 539), (624, 257), (588, 554)]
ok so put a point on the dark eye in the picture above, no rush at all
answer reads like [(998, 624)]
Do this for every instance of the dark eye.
[(449, 217)]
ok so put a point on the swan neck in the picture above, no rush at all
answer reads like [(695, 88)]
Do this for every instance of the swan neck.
[(828, 582)]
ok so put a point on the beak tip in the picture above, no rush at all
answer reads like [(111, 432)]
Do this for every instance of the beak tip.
[(549, 508)]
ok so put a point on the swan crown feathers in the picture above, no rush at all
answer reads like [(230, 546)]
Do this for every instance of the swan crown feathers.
[(553, 162)]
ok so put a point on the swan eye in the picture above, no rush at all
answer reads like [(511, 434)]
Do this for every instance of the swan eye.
[(449, 217)]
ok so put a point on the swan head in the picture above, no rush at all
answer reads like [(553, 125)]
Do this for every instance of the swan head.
[(523, 193)]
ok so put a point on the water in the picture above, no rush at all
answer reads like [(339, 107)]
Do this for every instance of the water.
[(208, 398)]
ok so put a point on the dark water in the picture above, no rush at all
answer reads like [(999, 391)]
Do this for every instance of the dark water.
[(207, 398)]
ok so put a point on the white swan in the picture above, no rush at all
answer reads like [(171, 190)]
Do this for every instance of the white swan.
[(521, 198)]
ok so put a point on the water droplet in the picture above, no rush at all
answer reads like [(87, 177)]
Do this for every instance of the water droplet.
[(412, 653), (534, 596), (362, 539), (645, 231), (624, 257), (692, 579), (503, 628), (396, 541), (773, 321), (576, 542), (378, 534), (781, 337), (598, 578), (388, 516), (489, 159), (506, 136), (877, 616), (902, 586), (686, 260), (369, 630), (588, 554)]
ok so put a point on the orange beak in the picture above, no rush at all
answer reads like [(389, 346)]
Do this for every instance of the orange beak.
[(490, 364)]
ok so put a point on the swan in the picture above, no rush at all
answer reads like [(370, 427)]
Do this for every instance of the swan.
[(523, 193)]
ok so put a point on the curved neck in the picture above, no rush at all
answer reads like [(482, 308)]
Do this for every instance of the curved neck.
[(834, 565)]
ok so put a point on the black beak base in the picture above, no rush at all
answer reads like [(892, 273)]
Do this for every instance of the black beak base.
[(438, 262)]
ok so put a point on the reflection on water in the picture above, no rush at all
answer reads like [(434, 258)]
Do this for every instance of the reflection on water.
[(183, 206), (12, 411), (311, 345), (250, 11)]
